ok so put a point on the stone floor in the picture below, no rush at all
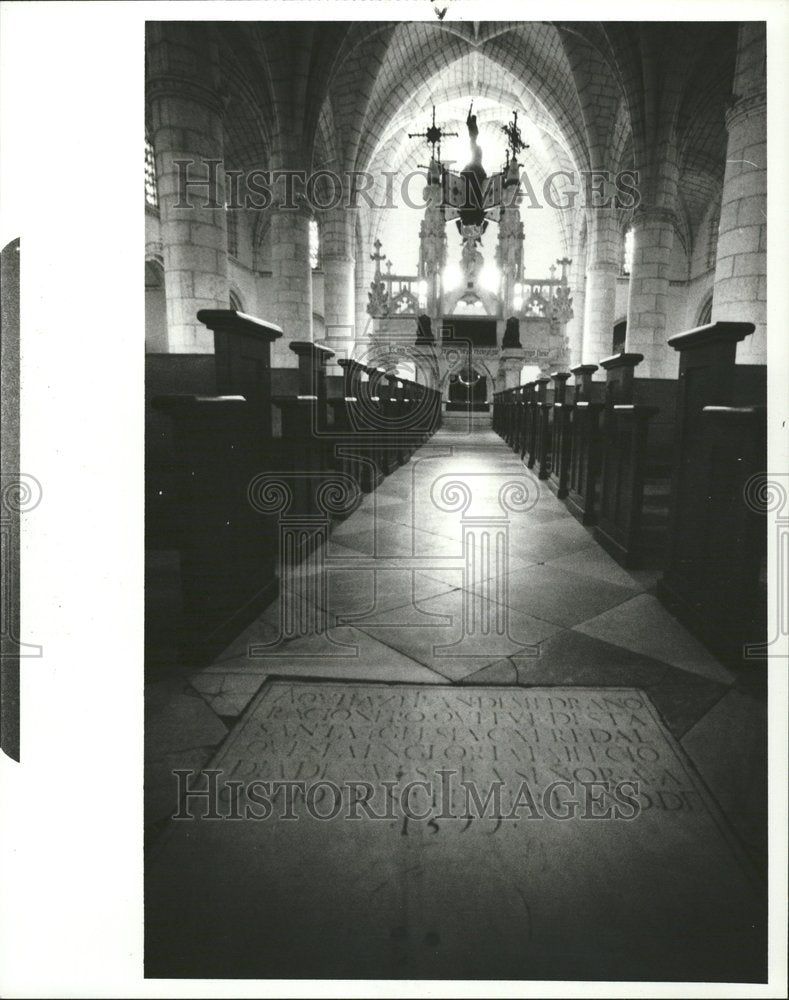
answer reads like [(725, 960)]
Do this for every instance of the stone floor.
[(448, 575)]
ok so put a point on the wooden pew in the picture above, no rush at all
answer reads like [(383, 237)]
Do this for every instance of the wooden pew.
[(355, 444), (305, 449), (513, 414), (716, 568), (534, 391), (625, 426), (542, 439), (212, 565), (560, 436), (585, 447)]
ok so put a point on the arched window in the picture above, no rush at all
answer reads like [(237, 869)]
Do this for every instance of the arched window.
[(620, 334), (705, 313), (155, 307), (232, 231), (712, 241), (627, 251), (151, 192), (315, 244), (235, 301)]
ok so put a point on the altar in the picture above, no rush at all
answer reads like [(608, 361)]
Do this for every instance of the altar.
[(490, 319)]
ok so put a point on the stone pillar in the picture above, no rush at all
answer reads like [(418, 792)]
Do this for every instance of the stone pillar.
[(599, 310), (575, 326), (339, 275), (291, 281), (653, 237), (511, 362), (339, 296), (363, 326), (186, 125), (740, 291), (602, 270)]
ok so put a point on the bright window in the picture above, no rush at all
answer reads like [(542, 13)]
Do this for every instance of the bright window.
[(315, 244), (151, 193), (232, 231), (627, 252)]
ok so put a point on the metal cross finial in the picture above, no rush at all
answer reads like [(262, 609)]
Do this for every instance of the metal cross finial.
[(514, 137), (378, 255), (433, 135)]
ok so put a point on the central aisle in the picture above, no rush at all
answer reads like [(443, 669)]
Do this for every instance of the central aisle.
[(407, 599), (467, 623)]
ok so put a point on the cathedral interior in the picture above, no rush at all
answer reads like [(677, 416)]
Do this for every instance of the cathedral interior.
[(456, 389)]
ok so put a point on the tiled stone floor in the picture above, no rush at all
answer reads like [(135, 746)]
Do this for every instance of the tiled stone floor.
[(395, 603)]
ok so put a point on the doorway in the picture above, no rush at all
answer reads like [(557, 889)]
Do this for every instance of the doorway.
[(468, 390)]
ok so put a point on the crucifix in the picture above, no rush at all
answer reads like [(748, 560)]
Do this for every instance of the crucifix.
[(378, 256), (432, 136), (515, 141)]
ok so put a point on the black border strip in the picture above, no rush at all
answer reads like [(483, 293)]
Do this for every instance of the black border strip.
[(9, 511)]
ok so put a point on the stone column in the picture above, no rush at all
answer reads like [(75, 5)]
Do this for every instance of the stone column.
[(740, 291), (575, 327), (653, 237), (602, 270), (186, 126), (339, 276), (511, 362), (364, 326), (291, 280), (339, 296), (599, 310)]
